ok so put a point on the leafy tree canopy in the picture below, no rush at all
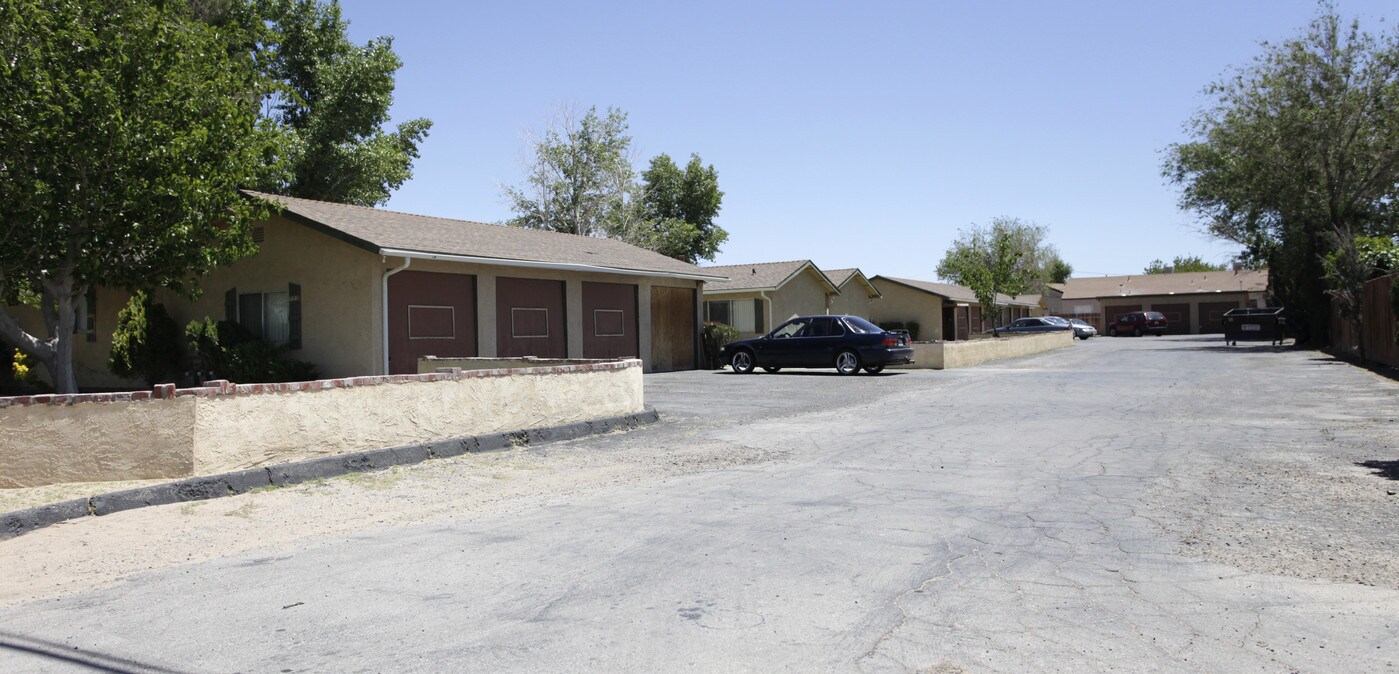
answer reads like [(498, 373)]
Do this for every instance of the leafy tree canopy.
[(1298, 156), (1182, 264), (580, 180), (332, 105), (1058, 271), (680, 206), (128, 127), (1004, 259)]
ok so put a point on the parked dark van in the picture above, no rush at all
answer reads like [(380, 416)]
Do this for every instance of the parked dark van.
[(1138, 323)]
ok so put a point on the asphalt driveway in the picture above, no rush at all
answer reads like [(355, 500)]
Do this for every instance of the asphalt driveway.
[(1154, 503)]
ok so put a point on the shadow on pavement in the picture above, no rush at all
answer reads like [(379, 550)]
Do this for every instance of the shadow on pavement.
[(71, 654), (1385, 469)]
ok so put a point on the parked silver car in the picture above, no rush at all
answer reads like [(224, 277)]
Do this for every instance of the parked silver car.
[(1082, 330)]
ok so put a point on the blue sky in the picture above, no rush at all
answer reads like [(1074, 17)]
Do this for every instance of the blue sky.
[(852, 134)]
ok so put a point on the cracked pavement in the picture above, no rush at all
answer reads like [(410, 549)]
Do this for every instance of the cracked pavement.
[(1126, 504)]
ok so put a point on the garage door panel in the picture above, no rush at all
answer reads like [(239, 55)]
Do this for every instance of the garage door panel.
[(530, 318), (1177, 317), (609, 320), (1212, 316), (430, 314), (673, 329)]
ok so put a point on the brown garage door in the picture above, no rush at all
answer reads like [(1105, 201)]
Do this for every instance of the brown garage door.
[(609, 320), (1177, 317), (1212, 316), (673, 330), (530, 318), (430, 315)]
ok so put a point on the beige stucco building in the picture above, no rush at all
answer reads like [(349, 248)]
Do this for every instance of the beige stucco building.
[(756, 298), (1192, 302), (857, 295), (362, 291), (942, 311)]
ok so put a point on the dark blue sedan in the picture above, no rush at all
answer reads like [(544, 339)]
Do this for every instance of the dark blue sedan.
[(849, 343)]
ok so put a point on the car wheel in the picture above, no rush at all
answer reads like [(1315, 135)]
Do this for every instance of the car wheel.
[(1112, 332), (847, 362), (1136, 332), (773, 370), (874, 369), (742, 362)]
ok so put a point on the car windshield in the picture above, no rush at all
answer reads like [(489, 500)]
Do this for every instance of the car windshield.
[(861, 326), (1076, 321), (1057, 320)]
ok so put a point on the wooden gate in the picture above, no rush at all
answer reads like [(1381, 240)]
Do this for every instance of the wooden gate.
[(430, 314), (530, 318), (609, 320), (673, 330)]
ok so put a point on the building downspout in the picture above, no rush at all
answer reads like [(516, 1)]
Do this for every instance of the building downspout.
[(767, 308), (406, 262)]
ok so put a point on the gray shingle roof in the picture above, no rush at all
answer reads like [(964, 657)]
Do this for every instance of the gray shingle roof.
[(1187, 283), (842, 276), (377, 230), (760, 276), (958, 293)]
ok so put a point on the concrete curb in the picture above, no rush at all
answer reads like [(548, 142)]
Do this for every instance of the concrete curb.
[(205, 487)]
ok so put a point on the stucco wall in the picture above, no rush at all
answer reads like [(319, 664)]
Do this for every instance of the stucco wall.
[(96, 442), (51, 439), (966, 353), (902, 303), (853, 300), (339, 287)]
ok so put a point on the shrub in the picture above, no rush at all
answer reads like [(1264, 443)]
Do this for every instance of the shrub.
[(912, 330), (716, 335), (146, 343), (228, 350), (22, 369)]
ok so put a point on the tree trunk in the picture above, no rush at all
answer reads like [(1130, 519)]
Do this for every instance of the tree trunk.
[(61, 365)]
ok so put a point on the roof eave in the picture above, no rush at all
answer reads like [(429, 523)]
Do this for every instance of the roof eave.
[(536, 264)]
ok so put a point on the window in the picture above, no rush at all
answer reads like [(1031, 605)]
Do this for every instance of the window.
[(745, 315), (790, 328), (717, 311), (86, 322), (265, 315)]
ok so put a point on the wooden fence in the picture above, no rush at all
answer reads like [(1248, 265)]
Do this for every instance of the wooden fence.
[(1380, 328)]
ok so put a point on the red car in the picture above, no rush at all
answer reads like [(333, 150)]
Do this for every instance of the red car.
[(1139, 323)]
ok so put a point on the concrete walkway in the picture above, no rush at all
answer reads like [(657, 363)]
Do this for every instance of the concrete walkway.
[(1126, 504)]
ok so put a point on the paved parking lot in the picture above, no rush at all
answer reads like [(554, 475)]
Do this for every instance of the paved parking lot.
[(1154, 503)]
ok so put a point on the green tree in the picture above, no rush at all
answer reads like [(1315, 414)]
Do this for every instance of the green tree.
[(332, 105), (580, 178), (1058, 271), (127, 129), (1298, 156), (679, 208), (1182, 264), (995, 261)]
